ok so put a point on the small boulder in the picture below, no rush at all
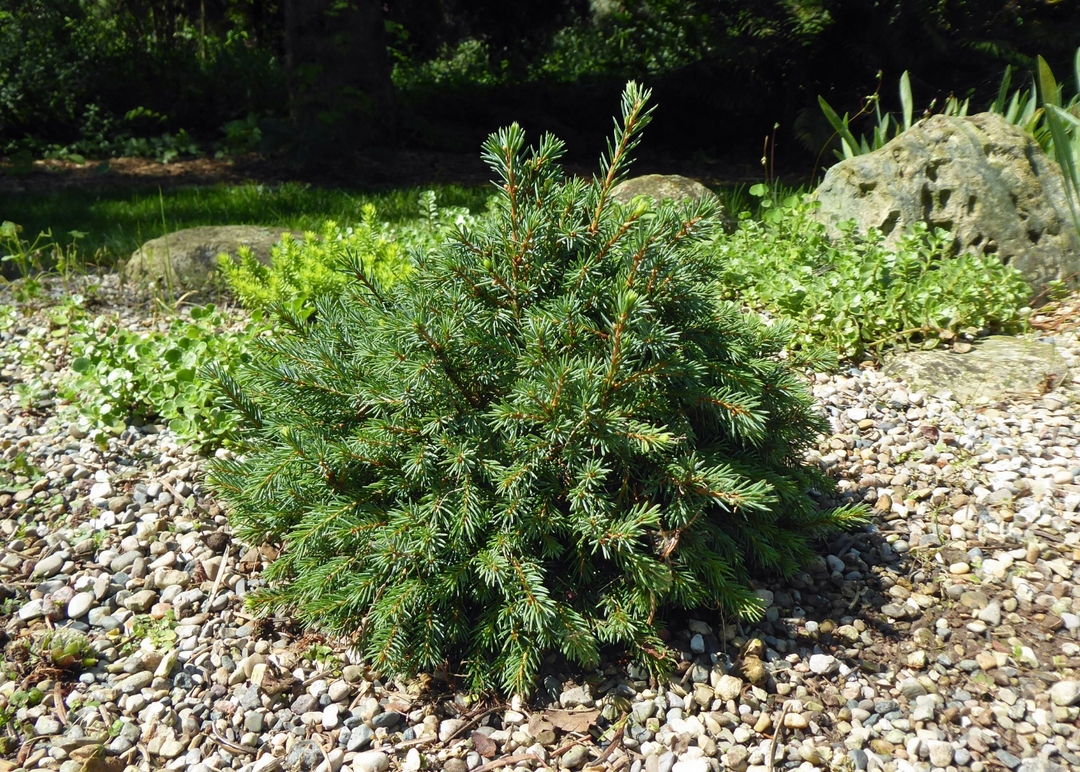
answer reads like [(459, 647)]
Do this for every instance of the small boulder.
[(666, 187), (979, 177), (188, 258)]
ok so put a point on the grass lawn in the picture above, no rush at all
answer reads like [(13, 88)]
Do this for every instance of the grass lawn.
[(116, 221)]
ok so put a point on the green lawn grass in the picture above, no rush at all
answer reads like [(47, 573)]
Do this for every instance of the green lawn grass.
[(116, 221)]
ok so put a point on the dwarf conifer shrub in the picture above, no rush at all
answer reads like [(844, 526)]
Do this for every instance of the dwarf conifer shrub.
[(545, 436)]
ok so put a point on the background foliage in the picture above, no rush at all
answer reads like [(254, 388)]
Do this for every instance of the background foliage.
[(100, 77), (113, 222), (103, 78)]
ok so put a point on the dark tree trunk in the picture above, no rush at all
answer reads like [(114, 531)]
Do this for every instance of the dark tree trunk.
[(340, 93)]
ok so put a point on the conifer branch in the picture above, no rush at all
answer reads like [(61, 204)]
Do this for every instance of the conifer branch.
[(602, 253), (447, 367), (626, 138), (356, 268)]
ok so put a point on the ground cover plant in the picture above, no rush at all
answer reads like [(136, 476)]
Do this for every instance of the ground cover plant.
[(124, 375), (854, 295), (549, 434), (307, 268)]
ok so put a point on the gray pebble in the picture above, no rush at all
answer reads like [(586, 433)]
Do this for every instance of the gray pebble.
[(1006, 758), (858, 758), (124, 561), (254, 722), (305, 755), (386, 720), (49, 566), (31, 610), (360, 738), (305, 703), (136, 682), (249, 697), (911, 688)]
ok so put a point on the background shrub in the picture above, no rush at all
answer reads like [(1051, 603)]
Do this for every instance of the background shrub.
[(112, 78), (323, 264), (546, 436), (302, 270)]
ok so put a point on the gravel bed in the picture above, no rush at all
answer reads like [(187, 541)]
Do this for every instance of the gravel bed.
[(945, 635)]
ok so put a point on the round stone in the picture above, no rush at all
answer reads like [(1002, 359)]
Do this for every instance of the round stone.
[(575, 757), (49, 566), (729, 687), (80, 604), (796, 721), (371, 761), (941, 753), (1065, 693), (822, 664)]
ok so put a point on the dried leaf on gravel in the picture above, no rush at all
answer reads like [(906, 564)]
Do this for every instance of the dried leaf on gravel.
[(484, 745), (572, 720), (538, 724)]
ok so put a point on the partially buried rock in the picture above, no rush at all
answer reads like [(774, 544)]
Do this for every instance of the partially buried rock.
[(577, 696), (997, 368)]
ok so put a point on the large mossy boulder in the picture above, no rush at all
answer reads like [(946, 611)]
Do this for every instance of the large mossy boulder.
[(997, 369), (982, 179), (186, 259)]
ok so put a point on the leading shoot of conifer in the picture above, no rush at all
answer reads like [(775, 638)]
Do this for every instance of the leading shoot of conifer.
[(547, 435)]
